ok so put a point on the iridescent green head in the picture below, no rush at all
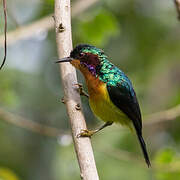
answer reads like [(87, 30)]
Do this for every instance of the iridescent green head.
[(89, 56), (85, 52), (86, 56)]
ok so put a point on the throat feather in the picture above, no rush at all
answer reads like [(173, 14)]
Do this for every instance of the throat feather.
[(93, 83)]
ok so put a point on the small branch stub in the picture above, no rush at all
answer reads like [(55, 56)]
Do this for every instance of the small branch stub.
[(63, 100), (81, 90), (78, 107), (61, 28)]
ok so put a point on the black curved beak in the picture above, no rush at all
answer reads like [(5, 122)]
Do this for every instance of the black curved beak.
[(66, 59)]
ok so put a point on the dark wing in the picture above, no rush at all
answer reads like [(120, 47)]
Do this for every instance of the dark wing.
[(124, 97)]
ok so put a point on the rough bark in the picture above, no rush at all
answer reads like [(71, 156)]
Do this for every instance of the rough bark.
[(71, 96)]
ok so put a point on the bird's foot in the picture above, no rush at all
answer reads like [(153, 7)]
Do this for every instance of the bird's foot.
[(81, 90), (86, 133)]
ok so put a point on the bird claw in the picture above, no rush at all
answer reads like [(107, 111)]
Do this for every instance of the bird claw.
[(81, 90), (80, 86), (85, 133)]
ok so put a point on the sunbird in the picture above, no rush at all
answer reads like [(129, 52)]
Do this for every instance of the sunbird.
[(111, 94)]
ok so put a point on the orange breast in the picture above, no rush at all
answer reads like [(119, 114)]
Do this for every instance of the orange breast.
[(95, 86)]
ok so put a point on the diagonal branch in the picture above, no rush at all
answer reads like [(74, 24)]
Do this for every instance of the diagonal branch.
[(163, 116), (83, 147), (24, 123)]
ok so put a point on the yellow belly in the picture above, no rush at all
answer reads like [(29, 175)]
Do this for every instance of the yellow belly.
[(100, 102), (104, 109)]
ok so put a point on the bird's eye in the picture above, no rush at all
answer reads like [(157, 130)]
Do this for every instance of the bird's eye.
[(81, 54)]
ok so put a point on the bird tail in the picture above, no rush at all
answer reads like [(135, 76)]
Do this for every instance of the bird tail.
[(138, 129), (144, 150)]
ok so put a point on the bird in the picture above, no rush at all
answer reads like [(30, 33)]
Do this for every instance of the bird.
[(111, 94)]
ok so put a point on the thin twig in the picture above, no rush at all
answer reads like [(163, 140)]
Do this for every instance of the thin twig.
[(177, 4), (83, 147), (24, 123), (44, 24), (5, 34), (162, 116)]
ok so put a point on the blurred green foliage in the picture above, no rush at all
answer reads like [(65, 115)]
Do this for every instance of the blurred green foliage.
[(167, 162), (98, 27), (8, 95), (6, 174), (143, 39)]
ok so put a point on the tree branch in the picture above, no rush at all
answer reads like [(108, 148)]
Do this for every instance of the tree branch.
[(162, 116), (24, 123), (83, 147), (44, 24), (177, 4)]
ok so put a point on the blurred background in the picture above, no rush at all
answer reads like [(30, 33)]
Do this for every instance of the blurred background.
[(141, 37)]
